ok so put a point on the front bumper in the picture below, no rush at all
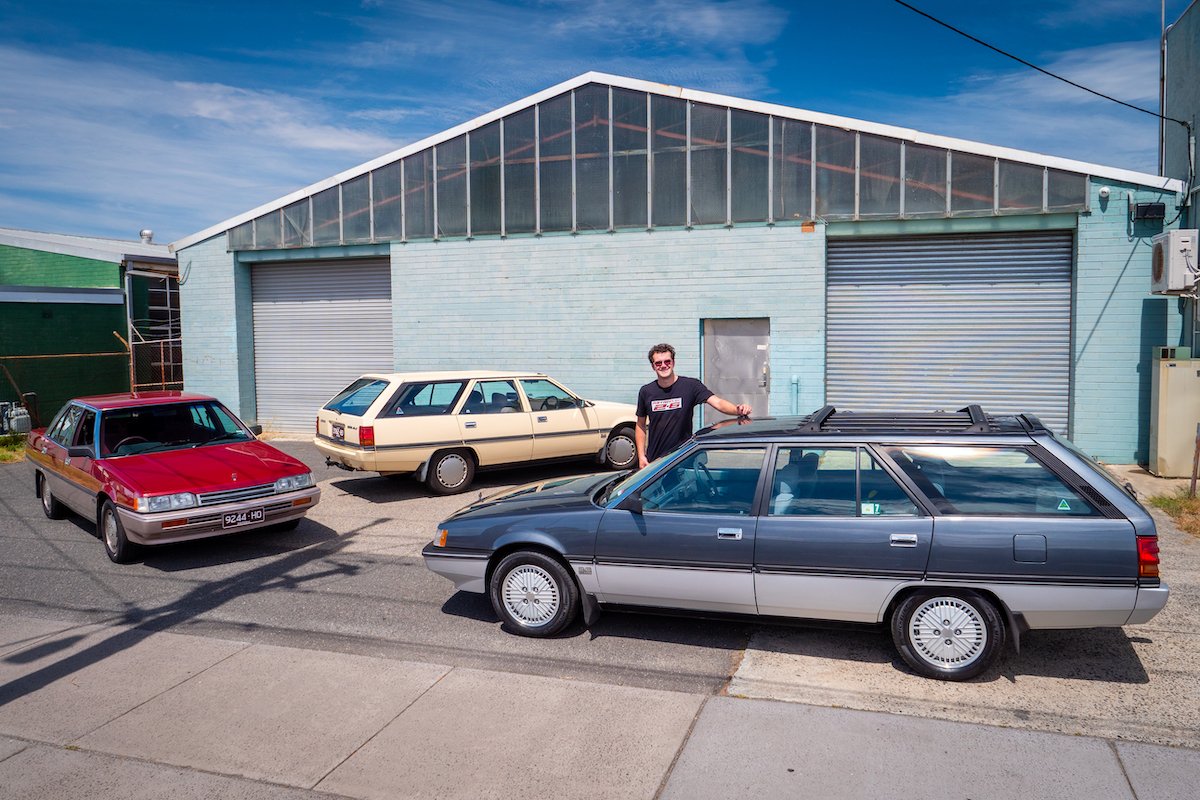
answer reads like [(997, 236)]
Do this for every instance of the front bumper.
[(1150, 601), (204, 521), (466, 570)]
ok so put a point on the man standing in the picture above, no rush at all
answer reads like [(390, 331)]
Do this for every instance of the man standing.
[(665, 405)]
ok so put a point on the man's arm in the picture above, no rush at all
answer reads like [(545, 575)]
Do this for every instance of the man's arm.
[(639, 438), (726, 407)]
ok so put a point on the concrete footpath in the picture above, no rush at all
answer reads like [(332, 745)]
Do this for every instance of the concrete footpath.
[(101, 711)]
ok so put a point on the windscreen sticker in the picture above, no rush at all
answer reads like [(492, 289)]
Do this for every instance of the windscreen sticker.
[(1063, 505), (871, 509)]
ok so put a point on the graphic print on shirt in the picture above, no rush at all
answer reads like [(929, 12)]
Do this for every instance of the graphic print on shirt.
[(670, 404)]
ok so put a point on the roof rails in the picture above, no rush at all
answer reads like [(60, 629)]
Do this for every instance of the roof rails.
[(970, 419)]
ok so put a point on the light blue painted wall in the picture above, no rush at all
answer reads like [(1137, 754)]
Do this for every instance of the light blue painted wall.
[(218, 341), (1116, 323), (586, 308)]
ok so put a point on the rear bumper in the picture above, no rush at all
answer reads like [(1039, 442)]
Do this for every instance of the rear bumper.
[(1150, 601), (349, 456), (201, 522)]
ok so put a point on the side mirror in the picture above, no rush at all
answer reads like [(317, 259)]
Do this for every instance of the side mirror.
[(82, 451), (632, 503), (256, 430)]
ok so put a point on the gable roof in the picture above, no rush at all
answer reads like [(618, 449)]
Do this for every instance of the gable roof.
[(848, 123)]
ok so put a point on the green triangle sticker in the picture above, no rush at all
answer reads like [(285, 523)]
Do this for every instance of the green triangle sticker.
[(1063, 505)]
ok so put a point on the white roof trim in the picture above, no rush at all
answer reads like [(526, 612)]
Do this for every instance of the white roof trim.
[(906, 134), (112, 250)]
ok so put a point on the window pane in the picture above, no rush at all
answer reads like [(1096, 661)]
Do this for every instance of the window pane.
[(492, 397), (485, 180), (326, 217), (242, 237), (266, 230), (710, 481), (814, 482), (295, 224), (426, 399), (710, 139), (452, 187), (835, 172), (545, 396), (988, 481), (1020, 186), (878, 176), (924, 180), (357, 397), (793, 169), (971, 183), (878, 492), (591, 157), (356, 210), (629, 159), (750, 164), (1066, 190), (669, 119), (385, 187), (418, 195), (519, 178), (554, 129)]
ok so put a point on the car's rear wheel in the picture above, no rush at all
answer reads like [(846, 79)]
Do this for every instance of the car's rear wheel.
[(450, 471), (951, 635), (533, 594), (116, 544), (621, 452), (50, 505)]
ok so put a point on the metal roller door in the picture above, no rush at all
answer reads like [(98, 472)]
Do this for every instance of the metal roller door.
[(929, 322), (318, 325)]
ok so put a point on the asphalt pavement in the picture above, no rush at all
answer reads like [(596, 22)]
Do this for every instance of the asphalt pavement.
[(178, 684)]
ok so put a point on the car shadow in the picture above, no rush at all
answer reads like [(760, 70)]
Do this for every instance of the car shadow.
[(376, 488)]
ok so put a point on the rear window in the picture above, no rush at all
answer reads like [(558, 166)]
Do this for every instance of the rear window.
[(357, 397), (425, 398)]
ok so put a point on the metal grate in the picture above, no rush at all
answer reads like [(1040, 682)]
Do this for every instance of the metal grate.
[(234, 495)]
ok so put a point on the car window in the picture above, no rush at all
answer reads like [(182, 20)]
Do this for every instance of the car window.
[(357, 397), (85, 432), (425, 398), (710, 481), (492, 397), (834, 481), (174, 426), (545, 396), (989, 481), (63, 431)]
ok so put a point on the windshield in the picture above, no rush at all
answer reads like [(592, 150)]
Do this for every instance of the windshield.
[(357, 397), (618, 489), (129, 431)]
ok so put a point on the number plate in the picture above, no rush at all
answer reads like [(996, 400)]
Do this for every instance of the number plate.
[(236, 519), (337, 431)]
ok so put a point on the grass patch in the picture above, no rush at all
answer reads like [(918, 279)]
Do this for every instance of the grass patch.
[(1183, 509), (12, 448)]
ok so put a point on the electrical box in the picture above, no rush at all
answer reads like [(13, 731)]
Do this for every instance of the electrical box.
[(1173, 262), (1174, 412)]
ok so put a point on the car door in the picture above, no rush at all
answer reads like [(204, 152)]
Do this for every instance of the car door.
[(838, 535), (53, 448), (691, 544), (562, 425), (81, 485), (499, 433)]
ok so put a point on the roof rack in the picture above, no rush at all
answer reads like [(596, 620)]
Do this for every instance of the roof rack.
[(969, 419)]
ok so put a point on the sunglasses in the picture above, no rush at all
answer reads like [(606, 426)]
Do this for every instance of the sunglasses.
[(664, 363)]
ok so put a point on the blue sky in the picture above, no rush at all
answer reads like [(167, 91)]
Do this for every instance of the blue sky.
[(122, 115)]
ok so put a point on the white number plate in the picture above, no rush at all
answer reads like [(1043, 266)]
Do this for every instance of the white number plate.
[(235, 519)]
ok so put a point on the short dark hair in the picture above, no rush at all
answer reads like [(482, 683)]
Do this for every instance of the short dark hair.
[(660, 348)]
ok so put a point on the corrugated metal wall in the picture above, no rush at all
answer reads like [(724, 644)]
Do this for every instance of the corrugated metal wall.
[(920, 323), (318, 325)]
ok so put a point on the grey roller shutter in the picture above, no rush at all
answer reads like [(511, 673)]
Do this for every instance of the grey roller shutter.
[(929, 322), (318, 325)]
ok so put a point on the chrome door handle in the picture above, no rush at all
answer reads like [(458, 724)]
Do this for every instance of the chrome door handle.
[(542, 419), (729, 533), (469, 424), (903, 540)]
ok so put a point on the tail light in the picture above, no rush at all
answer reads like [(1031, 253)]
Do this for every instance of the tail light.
[(318, 430), (366, 435), (1147, 556)]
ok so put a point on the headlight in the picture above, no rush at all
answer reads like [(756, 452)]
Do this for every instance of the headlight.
[(166, 502), (294, 482)]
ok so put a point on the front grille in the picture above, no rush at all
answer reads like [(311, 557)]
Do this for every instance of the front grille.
[(235, 495)]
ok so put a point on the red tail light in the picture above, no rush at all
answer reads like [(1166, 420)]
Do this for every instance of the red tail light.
[(366, 435), (318, 425), (1147, 556)]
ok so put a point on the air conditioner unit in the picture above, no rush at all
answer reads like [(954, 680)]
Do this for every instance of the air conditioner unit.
[(1173, 262)]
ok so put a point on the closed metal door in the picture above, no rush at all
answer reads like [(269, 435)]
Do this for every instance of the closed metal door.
[(737, 363)]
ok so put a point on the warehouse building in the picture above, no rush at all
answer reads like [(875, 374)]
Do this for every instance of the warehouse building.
[(794, 259)]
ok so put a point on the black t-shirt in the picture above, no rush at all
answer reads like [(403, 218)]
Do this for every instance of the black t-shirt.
[(669, 413)]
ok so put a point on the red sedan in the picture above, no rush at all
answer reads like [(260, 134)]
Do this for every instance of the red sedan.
[(158, 467)]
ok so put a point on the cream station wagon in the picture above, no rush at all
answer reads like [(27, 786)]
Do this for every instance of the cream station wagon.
[(444, 426)]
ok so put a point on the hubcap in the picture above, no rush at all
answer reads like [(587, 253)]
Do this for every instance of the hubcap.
[(451, 470), (620, 451), (47, 500), (948, 632), (530, 595), (111, 539)]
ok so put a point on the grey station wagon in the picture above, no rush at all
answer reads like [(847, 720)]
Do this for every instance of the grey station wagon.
[(958, 530)]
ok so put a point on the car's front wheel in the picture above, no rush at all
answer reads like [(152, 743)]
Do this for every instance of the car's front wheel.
[(116, 544), (533, 594), (50, 505), (621, 452), (951, 635), (450, 471)]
